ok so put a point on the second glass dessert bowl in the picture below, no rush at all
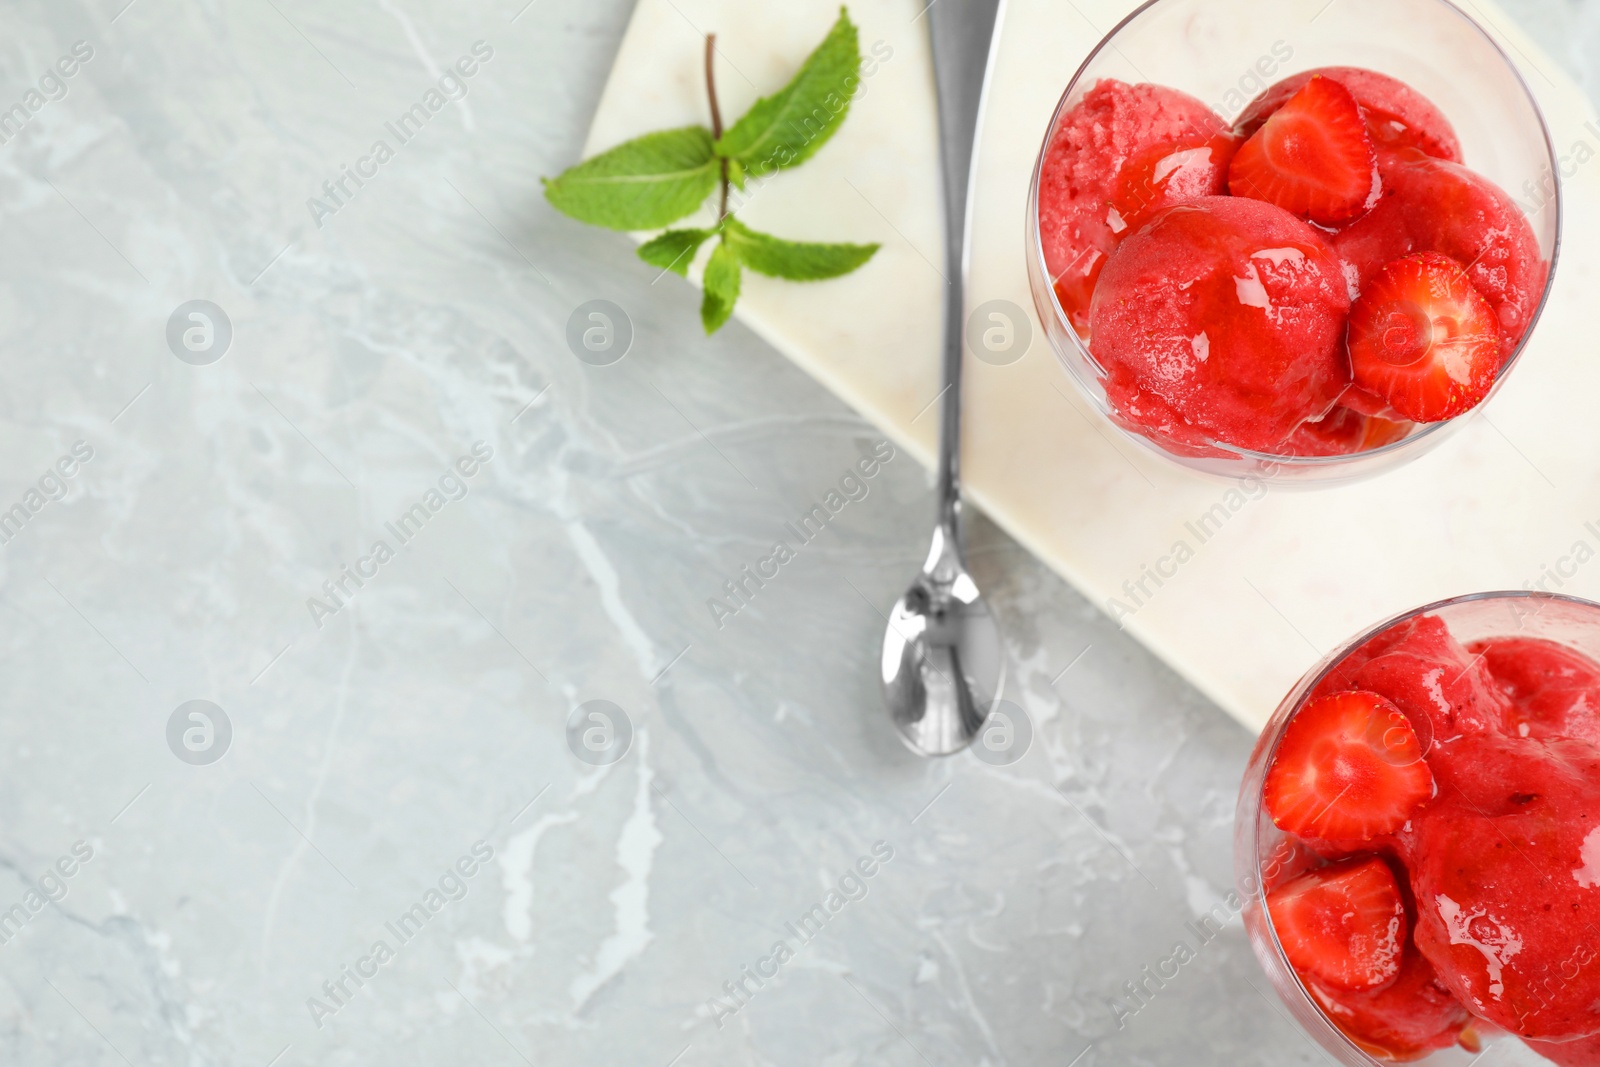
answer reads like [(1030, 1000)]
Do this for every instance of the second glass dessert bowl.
[(1325, 235), (1418, 837)]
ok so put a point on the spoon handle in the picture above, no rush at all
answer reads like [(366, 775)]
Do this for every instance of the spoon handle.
[(964, 36)]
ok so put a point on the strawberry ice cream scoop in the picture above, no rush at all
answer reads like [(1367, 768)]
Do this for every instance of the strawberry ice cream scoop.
[(1431, 205), (1344, 431), (1404, 1020), (1223, 317), (1123, 152), (1554, 690), (1375, 240), (1584, 1052), (1505, 867)]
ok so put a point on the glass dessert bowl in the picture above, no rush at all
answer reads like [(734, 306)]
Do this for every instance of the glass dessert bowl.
[(1418, 837), (1297, 256)]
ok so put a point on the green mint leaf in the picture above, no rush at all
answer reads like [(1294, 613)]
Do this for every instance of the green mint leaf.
[(674, 250), (786, 128), (800, 261), (721, 287), (736, 174), (642, 184)]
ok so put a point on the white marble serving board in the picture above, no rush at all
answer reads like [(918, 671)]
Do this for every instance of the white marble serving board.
[(1289, 574)]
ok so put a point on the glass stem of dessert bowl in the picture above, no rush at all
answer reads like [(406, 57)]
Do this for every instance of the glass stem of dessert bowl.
[(942, 660)]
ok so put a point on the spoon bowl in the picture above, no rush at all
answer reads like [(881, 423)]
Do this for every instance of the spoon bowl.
[(942, 657)]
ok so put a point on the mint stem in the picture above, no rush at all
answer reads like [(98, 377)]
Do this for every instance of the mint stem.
[(716, 121)]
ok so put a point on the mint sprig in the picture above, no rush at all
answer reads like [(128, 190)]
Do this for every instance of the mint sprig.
[(642, 184), (786, 128), (798, 261), (721, 287), (674, 250), (653, 181)]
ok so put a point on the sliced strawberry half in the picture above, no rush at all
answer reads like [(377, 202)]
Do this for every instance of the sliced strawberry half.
[(1423, 338), (1343, 925), (1313, 157), (1397, 115), (1349, 767)]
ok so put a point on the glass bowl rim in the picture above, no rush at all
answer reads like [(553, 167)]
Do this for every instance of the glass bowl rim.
[(1035, 245)]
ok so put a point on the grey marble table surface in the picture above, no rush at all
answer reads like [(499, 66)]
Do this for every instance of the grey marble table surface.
[(318, 546)]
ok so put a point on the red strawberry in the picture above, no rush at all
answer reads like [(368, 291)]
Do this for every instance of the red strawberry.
[(1312, 158), (1397, 115), (1342, 926), (1348, 768), (1422, 337)]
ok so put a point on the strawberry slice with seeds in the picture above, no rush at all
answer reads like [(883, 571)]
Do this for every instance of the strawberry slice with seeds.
[(1423, 338), (1348, 768), (1397, 115), (1313, 157), (1343, 925)]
